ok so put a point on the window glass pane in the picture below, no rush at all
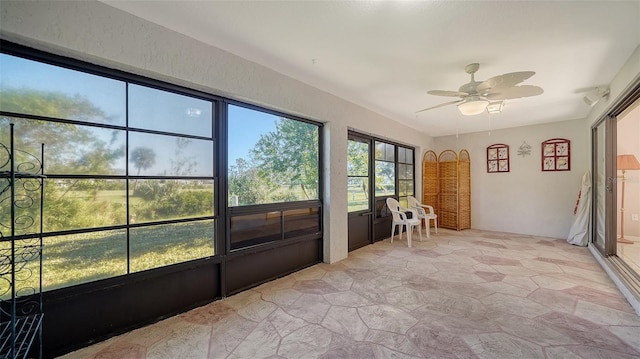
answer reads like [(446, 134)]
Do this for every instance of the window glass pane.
[(402, 191), (298, 222), (164, 199), (83, 203), (380, 151), (36, 88), (401, 155), (390, 152), (69, 149), (166, 244), (84, 257), (252, 229), (271, 159), (410, 172), (402, 171), (357, 158), (409, 156), (410, 188), (157, 155), (404, 203), (100, 155), (169, 112), (385, 178), (358, 192)]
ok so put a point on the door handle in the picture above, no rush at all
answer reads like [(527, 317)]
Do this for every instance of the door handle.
[(366, 214), (610, 182)]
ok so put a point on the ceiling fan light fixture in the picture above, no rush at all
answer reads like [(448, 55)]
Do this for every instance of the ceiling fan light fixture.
[(494, 107), (473, 105)]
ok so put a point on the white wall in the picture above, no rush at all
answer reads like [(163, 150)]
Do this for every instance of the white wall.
[(524, 200), (95, 32)]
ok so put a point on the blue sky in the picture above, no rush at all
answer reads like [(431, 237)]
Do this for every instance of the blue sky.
[(168, 112), (245, 128)]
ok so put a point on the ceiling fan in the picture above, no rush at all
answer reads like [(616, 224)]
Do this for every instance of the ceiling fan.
[(475, 96)]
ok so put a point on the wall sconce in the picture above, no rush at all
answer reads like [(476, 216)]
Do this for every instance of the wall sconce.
[(593, 97)]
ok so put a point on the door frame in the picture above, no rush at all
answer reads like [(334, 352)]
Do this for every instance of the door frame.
[(355, 217), (608, 124)]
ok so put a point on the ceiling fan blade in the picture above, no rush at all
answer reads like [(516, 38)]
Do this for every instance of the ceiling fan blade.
[(504, 81), (441, 105), (515, 92), (447, 93)]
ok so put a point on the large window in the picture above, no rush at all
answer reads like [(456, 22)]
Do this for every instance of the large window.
[(405, 174), (130, 169), (271, 158), (358, 175), (394, 168), (385, 167), (273, 177)]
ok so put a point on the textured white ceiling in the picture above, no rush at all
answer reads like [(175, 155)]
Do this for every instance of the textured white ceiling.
[(385, 55)]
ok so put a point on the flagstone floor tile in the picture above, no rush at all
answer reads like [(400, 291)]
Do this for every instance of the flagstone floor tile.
[(467, 294)]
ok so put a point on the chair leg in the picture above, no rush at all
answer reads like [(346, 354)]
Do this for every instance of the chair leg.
[(427, 221), (409, 230), (393, 231), (420, 232), (435, 224)]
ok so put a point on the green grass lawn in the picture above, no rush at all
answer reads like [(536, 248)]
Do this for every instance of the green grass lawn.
[(357, 200), (80, 258)]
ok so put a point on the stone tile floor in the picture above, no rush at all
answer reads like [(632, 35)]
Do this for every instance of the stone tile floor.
[(469, 294)]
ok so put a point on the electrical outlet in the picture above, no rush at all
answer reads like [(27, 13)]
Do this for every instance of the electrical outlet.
[(634, 217)]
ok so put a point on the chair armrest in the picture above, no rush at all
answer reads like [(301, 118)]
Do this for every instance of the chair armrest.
[(414, 213), (400, 213), (420, 211), (430, 208)]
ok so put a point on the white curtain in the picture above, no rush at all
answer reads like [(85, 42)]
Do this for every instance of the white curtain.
[(579, 233)]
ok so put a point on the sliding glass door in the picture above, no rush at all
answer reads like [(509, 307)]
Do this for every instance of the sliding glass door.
[(604, 189), (359, 191), (615, 229), (628, 185)]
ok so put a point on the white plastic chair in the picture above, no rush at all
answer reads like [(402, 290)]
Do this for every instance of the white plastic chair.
[(424, 212), (400, 219)]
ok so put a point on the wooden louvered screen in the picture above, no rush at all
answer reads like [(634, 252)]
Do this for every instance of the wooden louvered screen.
[(448, 196), (464, 190), (446, 185), (430, 187)]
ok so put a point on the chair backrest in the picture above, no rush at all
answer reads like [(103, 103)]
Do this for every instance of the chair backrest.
[(413, 202), (394, 206)]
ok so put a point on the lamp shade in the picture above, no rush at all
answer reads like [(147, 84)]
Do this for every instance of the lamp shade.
[(627, 162), (472, 105)]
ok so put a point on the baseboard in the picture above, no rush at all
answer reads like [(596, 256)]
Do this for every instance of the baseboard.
[(621, 281)]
